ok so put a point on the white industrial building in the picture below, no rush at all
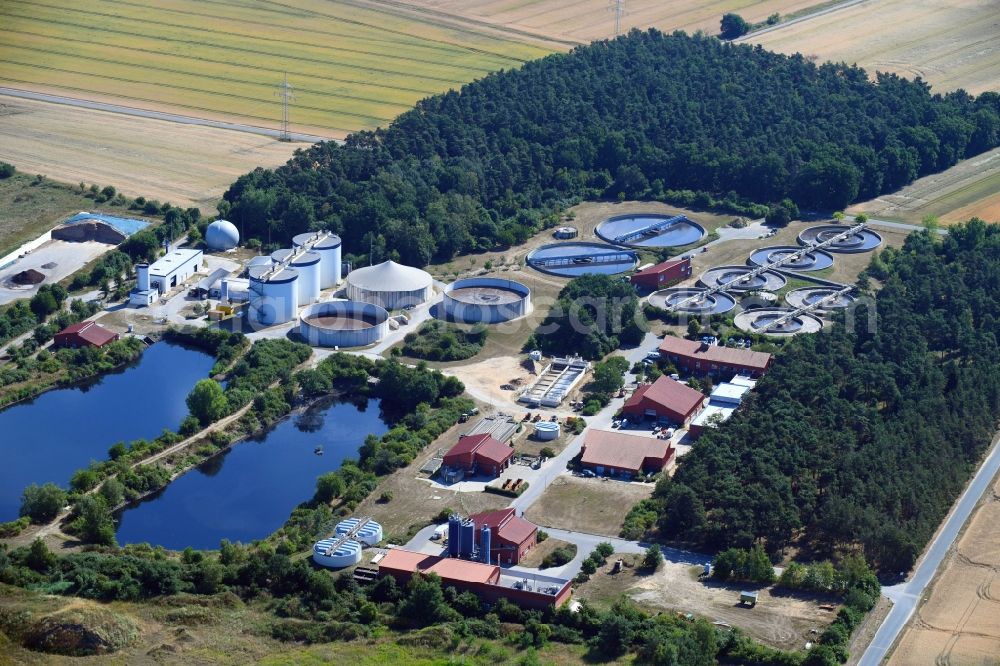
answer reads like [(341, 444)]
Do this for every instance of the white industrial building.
[(164, 274), (391, 285)]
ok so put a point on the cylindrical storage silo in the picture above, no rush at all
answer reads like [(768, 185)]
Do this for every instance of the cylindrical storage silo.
[(273, 295), (468, 542), (454, 534), (281, 256), (328, 247), (485, 543), (307, 265)]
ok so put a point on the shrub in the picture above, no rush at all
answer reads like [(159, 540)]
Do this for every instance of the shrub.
[(42, 503)]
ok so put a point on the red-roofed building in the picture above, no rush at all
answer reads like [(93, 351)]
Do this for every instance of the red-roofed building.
[(664, 399), (479, 454), (620, 454), (510, 535), (662, 275), (84, 334), (698, 358), (485, 580)]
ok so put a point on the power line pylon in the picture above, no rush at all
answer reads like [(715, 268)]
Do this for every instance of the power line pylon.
[(286, 95), (618, 8)]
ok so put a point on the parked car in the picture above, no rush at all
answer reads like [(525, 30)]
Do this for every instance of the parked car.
[(589, 473)]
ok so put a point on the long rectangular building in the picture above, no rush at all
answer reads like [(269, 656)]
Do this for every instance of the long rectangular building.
[(610, 453), (485, 580), (699, 358)]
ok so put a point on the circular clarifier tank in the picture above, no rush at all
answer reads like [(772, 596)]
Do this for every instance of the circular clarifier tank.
[(574, 259), (757, 321), (814, 260), (343, 324), (650, 230), (485, 300), (862, 241), (800, 298), (738, 279), (693, 300)]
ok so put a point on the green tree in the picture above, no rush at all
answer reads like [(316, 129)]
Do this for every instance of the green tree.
[(653, 558), (207, 401), (113, 491), (92, 521), (42, 503), (40, 558), (733, 26)]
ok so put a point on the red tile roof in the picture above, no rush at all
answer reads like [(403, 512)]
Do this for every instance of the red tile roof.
[(91, 332), (399, 559), (483, 446), (670, 394), (622, 451), (715, 354), (661, 268), (505, 525)]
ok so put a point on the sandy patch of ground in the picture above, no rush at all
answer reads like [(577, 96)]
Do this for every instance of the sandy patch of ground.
[(959, 621), (186, 165), (778, 620), (951, 44), (55, 259), (535, 556), (594, 506), (969, 189)]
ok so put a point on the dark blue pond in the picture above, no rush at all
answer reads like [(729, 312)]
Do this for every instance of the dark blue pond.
[(250, 491), (59, 432)]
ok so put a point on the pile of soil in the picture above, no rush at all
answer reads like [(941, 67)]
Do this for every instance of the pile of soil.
[(30, 276), (82, 631)]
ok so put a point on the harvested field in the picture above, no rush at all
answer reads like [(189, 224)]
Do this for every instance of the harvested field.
[(186, 165), (778, 620), (594, 506), (959, 621), (353, 65), (969, 189), (587, 20), (950, 44)]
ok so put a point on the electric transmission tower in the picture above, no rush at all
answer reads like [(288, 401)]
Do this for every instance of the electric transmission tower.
[(618, 9), (286, 95)]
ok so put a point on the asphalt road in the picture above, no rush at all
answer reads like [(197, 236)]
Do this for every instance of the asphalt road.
[(901, 225), (158, 115), (905, 597)]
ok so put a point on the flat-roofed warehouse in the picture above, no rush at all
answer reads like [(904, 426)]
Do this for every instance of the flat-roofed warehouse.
[(390, 285), (620, 454)]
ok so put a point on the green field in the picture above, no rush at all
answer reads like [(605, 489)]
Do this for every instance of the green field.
[(353, 65)]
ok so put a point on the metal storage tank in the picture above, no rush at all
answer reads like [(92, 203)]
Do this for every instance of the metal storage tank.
[(344, 555), (281, 256), (222, 235), (467, 545), (454, 534), (370, 534), (343, 324), (391, 285), (259, 260), (308, 266), (547, 430), (485, 543), (273, 295), (328, 246), (485, 300)]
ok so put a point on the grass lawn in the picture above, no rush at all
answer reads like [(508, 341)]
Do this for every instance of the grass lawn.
[(595, 506), (29, 208)]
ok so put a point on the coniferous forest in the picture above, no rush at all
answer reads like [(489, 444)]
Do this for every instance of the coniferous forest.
[(685, 119), (864, 437)]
